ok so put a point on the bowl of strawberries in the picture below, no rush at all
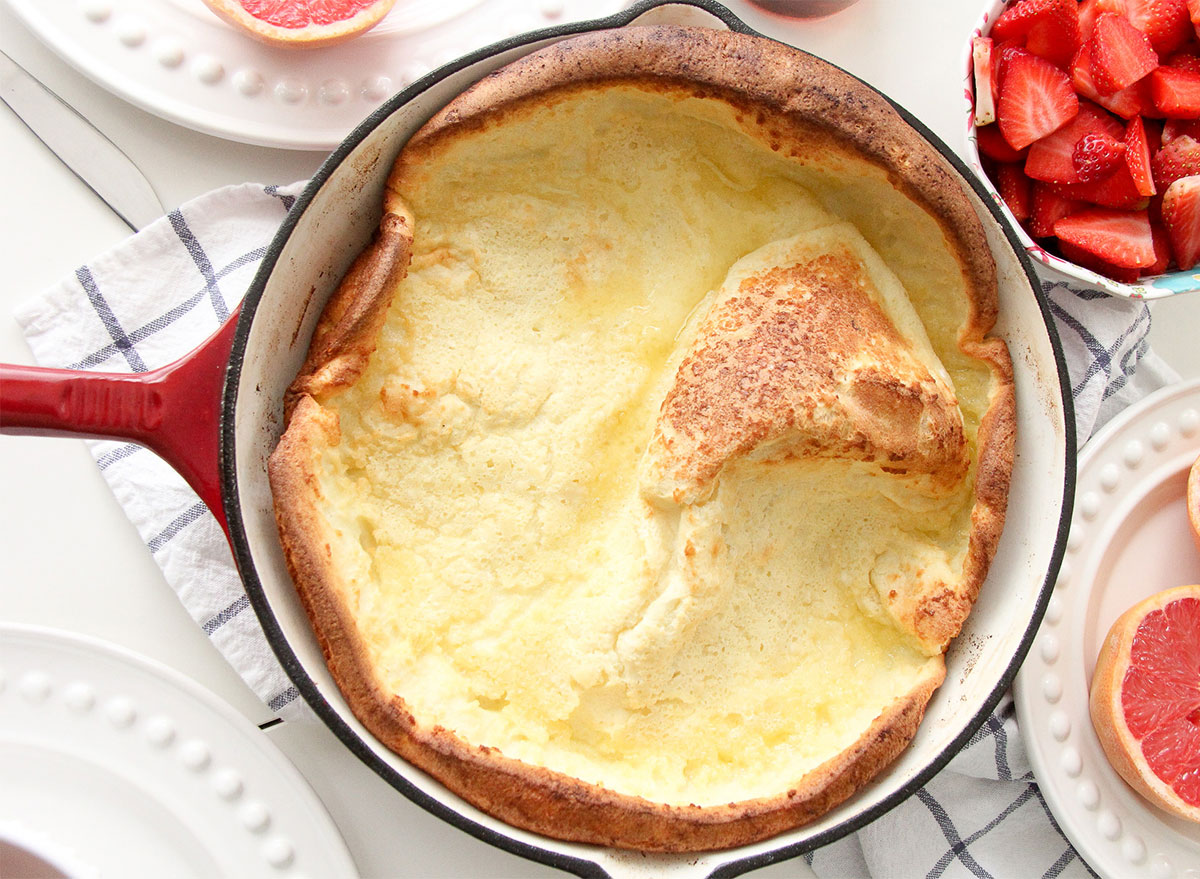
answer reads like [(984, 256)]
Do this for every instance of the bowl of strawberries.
[(1084, 125)]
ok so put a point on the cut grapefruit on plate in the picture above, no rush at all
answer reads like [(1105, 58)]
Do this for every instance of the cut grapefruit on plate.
[(1145, 699), (301, 23)]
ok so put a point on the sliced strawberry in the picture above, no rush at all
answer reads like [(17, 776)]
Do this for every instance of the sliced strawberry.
[(1122, 238), (1176, 92), (1183, 61), (1089, 260), (1137, 156), (1049, 207), (1014, 22), (1117, 190), (992, 144), (1055, 34), (1155, 208), (1051, 158), (1179, 158), (1096, 156), (1036, 99), (1047, 28), (985, 87), (1194, 14), (1131, 101), (1089, 11), (1173, 128), (1002, 53), (1016, 189), (1164, 22), (1181, 216), (1121, 54), (1002, 50), (1153, 129), (1162, 250)]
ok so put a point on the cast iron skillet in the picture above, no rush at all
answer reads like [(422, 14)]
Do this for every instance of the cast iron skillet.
[(215, 415)]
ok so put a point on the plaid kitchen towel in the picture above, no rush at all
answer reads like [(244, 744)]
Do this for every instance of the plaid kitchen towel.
[(163, 291), (153, 298)]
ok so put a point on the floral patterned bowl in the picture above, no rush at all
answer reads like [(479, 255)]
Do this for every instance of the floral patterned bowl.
[(1051, 266)]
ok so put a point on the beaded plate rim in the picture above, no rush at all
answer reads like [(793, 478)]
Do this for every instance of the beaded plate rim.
[(1122, 474)]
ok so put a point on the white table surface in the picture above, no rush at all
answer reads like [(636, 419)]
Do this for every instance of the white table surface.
[(70, 558)]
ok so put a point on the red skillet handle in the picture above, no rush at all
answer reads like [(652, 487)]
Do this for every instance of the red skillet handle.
[(173, 411)]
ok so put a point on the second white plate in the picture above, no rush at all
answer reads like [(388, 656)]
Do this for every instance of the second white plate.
[(114, 765), (1129, 538)]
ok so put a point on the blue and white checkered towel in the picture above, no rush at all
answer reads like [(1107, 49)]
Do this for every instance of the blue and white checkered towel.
[(154, 297), (163, 291)]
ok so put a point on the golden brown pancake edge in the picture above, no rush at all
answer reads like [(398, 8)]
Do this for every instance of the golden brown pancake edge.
[(797, 103)]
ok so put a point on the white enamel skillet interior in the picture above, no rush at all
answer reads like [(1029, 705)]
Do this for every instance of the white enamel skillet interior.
[(327, 228)]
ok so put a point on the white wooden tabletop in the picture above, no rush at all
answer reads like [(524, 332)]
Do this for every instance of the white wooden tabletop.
[(71, 559)]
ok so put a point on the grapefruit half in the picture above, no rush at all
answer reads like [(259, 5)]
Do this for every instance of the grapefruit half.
[(1145, 699), (301, 23)]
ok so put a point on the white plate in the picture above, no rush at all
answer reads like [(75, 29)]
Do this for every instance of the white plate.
[(113, 765), (1129, 538), (176, 59)]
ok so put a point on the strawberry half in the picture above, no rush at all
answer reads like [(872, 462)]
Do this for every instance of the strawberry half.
[(1120, 54), (1096, 156), (1048, 28), (1117, 190), (1122, 238), (1173, 128), (1130, 101), (1016, 189), (985, 86), (1088, 260), (1162, 250), (1164, 22), (1036, 99), (1137, 156), (1179, 158), (1055, 34), (1051, 159), (1014, 22), (1153, 130), (1183, 61), (992, 144), (1181, 216), (1048, 208), (1175, 92), (1089, 11)]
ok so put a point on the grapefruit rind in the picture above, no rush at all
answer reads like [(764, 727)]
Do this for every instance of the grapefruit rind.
[(1120, 745), (1193, 501), (308, 37)]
